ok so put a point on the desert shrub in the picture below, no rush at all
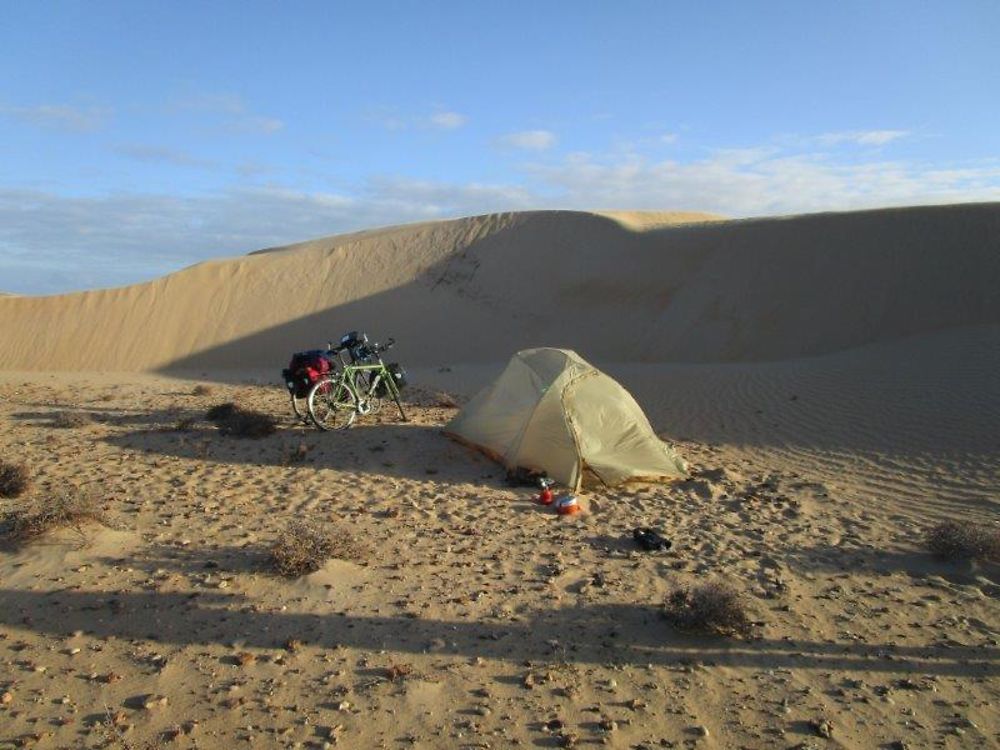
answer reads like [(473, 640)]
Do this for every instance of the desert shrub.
[(709, 608), (220, 412), (953, 540), (303, 548), (246, 423), (68, 510), (239, 422), (201, 390), (184, 424), (398, 672), (70, 419), (14, 479)]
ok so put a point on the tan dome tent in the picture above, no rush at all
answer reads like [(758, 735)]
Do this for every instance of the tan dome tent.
[(551, 411)]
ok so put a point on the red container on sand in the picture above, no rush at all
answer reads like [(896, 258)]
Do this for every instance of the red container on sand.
[(567, 505)]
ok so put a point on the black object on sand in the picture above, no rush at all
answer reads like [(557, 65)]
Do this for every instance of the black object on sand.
[(650, 540)]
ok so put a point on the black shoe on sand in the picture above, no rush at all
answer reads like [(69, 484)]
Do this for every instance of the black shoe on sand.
[(649, 540)]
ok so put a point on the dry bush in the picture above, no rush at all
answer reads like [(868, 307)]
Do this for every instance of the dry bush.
[(62, 511), (201, 390), (398, 672), (303, 548), (15, 479), (221, 412), (250, 424), (115, 724), (709, 608), (70, 419), (239, 422), (184, 424), (953, 540)]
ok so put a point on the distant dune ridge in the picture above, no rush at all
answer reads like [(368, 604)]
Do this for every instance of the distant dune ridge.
[(618, 287)]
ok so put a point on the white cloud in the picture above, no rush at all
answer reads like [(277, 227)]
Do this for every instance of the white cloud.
[(162, 155), (217, 103), (861, 137), (393, 121), (532, 140), (236, 115), (256, 124), (669, 138), (60, 116), (748, 182), (386, 120), (448, 120)]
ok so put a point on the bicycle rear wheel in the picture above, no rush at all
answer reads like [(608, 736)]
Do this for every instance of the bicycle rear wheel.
[(301, 408), (332, 405)]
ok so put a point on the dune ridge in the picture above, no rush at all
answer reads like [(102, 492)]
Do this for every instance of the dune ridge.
[(625, 287)]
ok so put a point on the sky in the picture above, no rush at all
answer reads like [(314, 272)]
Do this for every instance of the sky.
[(137, 138)]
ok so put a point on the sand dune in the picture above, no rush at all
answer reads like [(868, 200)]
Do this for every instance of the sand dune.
[(617, 287)]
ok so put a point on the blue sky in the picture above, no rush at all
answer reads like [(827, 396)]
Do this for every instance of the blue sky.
[(139, 137)]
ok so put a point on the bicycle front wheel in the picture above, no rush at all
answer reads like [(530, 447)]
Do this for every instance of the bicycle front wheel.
[(332, 405)]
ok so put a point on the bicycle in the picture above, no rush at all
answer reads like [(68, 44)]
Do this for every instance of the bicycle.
[(335, 402)]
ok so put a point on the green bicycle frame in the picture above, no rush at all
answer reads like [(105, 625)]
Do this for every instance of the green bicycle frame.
[(383, 376)]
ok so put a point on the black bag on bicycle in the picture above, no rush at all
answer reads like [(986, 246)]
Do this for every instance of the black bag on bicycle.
[(398, 376), (356, 345), (304, 370)]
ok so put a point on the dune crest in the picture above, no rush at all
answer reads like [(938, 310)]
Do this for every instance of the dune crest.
[(617, 286)]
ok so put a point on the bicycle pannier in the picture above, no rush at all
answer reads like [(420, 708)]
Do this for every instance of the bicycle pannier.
[(356, 344), (398, 375), (304, 370)]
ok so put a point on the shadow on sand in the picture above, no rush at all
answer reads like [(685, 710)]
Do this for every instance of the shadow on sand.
[(402, 450), (917, 563), (586, 634), (377, 443), (590, 634)]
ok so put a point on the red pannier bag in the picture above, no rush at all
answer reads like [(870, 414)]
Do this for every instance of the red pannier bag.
[(305, 369)]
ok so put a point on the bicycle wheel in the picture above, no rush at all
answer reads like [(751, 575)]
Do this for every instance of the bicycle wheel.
[(332, 405), (301, 408)]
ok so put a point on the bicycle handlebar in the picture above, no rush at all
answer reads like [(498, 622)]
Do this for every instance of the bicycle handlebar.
[(375, 347)]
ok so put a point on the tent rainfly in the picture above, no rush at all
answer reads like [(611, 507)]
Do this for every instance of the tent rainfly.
[(553, 412)]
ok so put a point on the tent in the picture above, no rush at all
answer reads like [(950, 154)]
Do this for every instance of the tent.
[(551, 411)]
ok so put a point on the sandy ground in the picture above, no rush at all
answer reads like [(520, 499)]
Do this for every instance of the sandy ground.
[(478, 619)]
